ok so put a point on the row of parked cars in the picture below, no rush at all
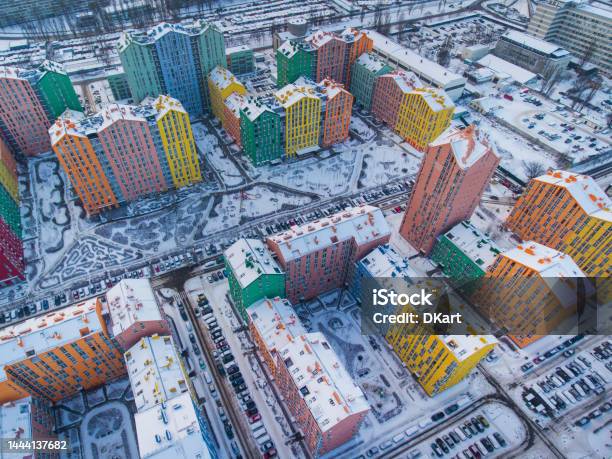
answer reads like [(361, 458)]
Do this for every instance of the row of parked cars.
[(226, 364), (597, 413), (461, 436)]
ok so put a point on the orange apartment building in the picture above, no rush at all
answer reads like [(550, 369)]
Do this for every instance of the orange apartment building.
[(337, 112), (530, 290), (55, 355), (570, 213)]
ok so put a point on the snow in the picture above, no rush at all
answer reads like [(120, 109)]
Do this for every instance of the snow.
[(249, 259), (208, 144), (129, 302)]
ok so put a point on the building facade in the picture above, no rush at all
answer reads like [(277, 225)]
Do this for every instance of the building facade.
[(231, 117), (252, 274), (337, 112), (302, 109), (365, 71), (119, 86), (261, 131), (454, 173), (126, 152), (30, 100), (11, 247), (319, 256), (240, 60), (570, 213), (293, 60), (175, 60), (531, 53), (464, 253), (580, 27)]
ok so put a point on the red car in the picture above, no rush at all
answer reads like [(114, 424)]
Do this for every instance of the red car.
[(254, 418), (270, 453), (508, 96)]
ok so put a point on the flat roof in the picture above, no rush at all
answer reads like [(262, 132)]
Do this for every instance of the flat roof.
[(587, 193), (250, 258), (16, 421), (234, 103), (237, 49), (384, 261), (276, 322), (322, 381), (371, 62), (252, 107), (171, 431), (537, 44), (131, 301), (222, 77), (155, 371), (433, 71), (475, 245), (464, 346), (363, 223), (504, 68), (48, 331), (294, 92)]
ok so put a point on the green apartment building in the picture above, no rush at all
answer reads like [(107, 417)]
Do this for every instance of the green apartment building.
[(293, 60), (55, 90), (119, 85), (366, 69), (261, 132), (252, 274), (240, 60), (464, 253)]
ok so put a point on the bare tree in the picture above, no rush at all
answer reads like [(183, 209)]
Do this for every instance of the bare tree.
[(533, 169)]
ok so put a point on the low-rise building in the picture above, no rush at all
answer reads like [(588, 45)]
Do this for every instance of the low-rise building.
[(320, 255), (531, 53), (323, 398), (252, 274), (134, 312)]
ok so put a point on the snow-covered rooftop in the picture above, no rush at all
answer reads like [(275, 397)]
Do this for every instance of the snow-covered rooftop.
[(292, 93), (155, 371), (371, 62), (158, 31), (464, 346), (32, 74), (436, 98), (537, 44), (406, 81), (587, 193), (48, 331), (384, 261), (424, 67), (544, 260), (332, 88), (253, 107), (248, 259), (477, 246), (16, 420), (468, 145), (327, 388), (276, 322), (171, 430), (222, 77), (505, 69), (290, 47), (235, 102), (236, 49), (131, 301), (363, 223), (163, 104)]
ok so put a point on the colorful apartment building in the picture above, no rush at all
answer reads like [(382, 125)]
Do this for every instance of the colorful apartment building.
[(529, 290), (30, 100), (570, 213), (337, 110), (464, 253), (302, 107), (319, 256), (381, 263), (126, 152), (231, 116), (438, 361), (336, 53), (240, 60), (30, 418), (273, 324), (261, 131), (221, 84), (293, 60), (175, 60), (365, 71), (317, 389), (11, 248), (252, 274), (134, 312), (417, 114), (454, 173), (177, 140), (58, 354)]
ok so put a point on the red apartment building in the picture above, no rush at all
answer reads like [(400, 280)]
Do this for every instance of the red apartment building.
[(455, 171), (317, 257), (337, 116)]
